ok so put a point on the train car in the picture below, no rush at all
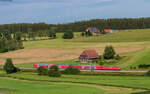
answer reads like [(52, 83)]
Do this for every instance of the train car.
[(80, 67)]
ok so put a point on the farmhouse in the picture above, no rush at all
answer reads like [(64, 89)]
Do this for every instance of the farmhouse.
[(94, 31), (88, 55)]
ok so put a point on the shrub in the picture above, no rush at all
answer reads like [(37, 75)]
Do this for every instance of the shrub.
[(109, 52), (9, 67), (112, 61), (117, 57), (42, 71), (68, 35), (54, 71), (71, 70), (148, 73)]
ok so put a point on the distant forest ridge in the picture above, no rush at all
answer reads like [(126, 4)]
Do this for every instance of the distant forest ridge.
[(114, 23)]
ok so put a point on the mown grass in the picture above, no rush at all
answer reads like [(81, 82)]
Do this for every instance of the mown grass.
[(31, 83), (130, 36), (136, 82), (25, 87), (134, 59)]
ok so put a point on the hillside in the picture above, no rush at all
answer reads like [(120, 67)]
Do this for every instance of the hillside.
[(139, 35), (133, 44)]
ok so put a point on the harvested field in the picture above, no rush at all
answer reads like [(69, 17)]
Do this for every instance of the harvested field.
[(51, 54)]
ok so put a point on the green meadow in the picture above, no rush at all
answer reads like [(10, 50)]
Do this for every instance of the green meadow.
[(28, 82)]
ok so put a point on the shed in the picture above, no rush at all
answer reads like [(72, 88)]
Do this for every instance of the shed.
[(88, 55)]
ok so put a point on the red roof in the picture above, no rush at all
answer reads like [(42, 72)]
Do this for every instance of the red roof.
[(90, 53), (107, 30)]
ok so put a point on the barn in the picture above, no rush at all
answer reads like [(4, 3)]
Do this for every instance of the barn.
[(88, 55)]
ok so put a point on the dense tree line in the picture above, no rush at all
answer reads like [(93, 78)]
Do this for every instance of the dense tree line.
[(39, 28), (9, 42)]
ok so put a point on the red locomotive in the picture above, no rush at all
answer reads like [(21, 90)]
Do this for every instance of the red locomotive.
[(80, 67)]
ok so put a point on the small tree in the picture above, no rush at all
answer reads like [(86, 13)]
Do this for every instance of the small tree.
[(54, 71), (9, 67), (42, 71), (71, 70), (68, 35), (109, 52)]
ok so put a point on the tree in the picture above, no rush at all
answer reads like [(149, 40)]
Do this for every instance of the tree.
[(71, 70), (18, 36), (42, 71), (68, 35), (9, 67), (109, 52), (54, 71)]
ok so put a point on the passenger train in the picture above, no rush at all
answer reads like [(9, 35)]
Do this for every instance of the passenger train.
[(80, 67)]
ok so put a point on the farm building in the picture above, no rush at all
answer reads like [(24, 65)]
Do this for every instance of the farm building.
[(94, 31), (109, 31), (88, 55)]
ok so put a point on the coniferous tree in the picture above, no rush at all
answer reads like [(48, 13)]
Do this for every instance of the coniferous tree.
[(9, 67), (109, 52)]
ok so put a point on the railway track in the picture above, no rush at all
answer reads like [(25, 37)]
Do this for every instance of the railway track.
[(125, 71)]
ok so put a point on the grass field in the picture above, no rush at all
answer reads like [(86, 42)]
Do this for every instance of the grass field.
[(129, 36), (32, 83)]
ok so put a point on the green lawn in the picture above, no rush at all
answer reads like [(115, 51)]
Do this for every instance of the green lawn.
[(118, 81), (25, 87), (31, 83)]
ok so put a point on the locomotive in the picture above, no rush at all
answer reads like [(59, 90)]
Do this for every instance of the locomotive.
[(80, 67)]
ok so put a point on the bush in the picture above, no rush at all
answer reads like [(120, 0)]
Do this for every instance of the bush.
[(42, 71), (68, 35), (109, 52), (148, 73), (54, 71), (71, 70), (117, 57), (9, 67), (112, 61)]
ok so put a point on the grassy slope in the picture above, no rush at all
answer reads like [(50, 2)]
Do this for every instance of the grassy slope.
[(132, 39), (140, 82), (135, 59), (130, 36), (24, 87)]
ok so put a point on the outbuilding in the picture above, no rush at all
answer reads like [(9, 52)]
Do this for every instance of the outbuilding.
[(88, 55)]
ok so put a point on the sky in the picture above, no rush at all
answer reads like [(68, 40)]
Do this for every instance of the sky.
[(65, 11)]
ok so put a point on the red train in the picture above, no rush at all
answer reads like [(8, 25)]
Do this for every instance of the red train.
[(80, 67)]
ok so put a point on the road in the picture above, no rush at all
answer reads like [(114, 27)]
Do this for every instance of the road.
[(128, 71)]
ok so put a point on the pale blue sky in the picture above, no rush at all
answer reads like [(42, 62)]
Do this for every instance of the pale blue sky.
[(63, 11)]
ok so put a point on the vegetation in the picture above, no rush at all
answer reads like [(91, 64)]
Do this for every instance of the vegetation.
[(11, 86), (138, 35), (54, 71), (109, 52), (126, 23), (9, 67), (42, 71), (71, 70), (148, 73), (68, 35), (9, 43)]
